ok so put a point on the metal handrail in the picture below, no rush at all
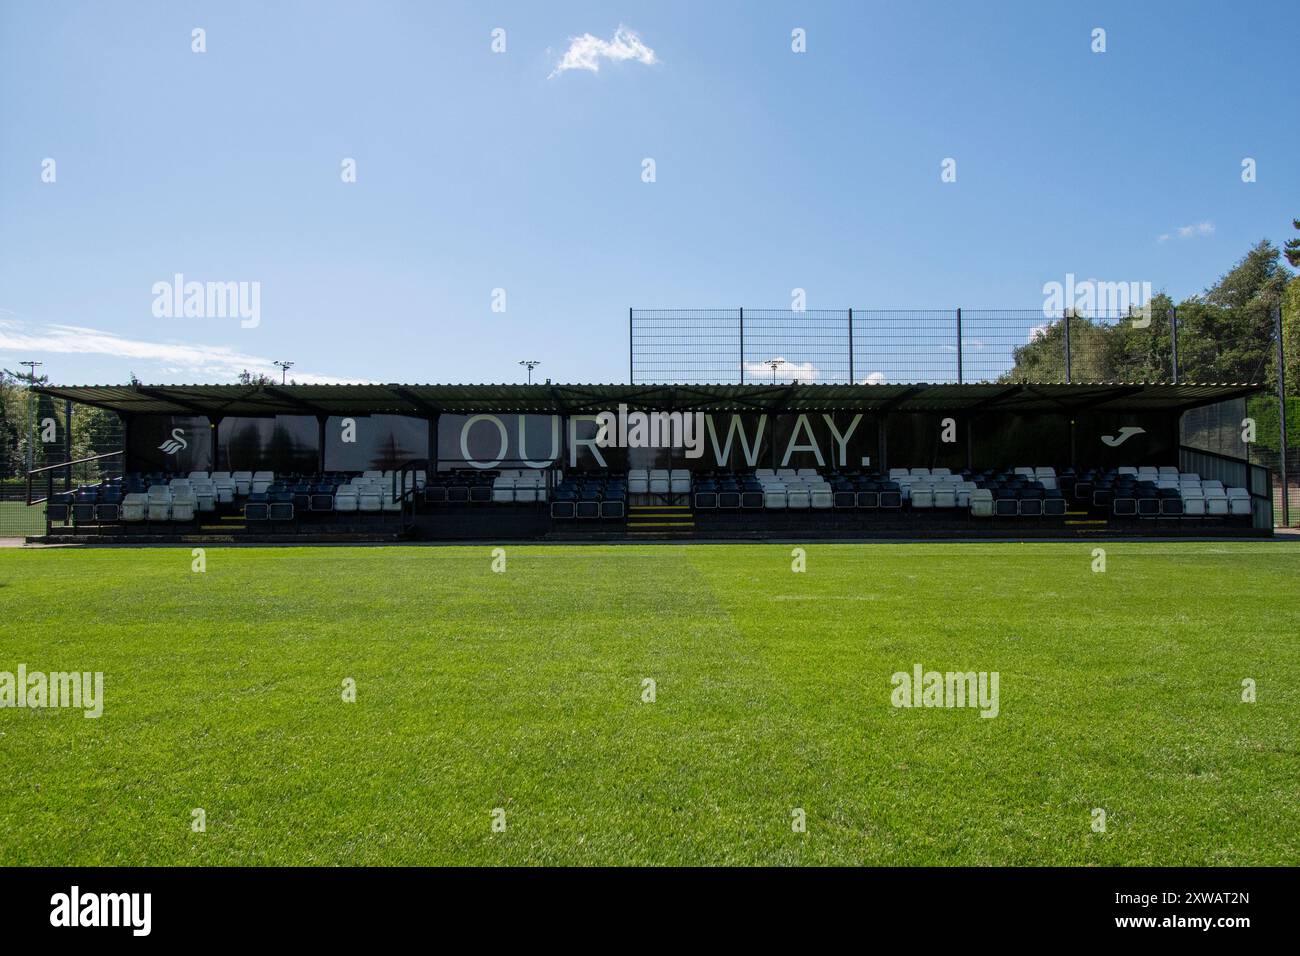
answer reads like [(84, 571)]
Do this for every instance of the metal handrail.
[(62, 464)]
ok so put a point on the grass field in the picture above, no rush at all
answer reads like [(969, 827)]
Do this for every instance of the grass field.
[(522, 690), (18, 519)]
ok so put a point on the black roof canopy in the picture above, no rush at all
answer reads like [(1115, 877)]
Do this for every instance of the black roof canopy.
[(427, 400)]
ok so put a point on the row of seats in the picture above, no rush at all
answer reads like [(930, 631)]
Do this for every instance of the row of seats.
[(658, 481), (524, 485), (1165, 492), (591, 495)]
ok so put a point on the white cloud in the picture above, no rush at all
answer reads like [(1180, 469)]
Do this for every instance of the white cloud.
[(875, 378), (786, 372), (1189, 232), (201, 363), (586, 52)]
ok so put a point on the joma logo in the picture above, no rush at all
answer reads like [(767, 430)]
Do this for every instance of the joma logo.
[(1125, 433)]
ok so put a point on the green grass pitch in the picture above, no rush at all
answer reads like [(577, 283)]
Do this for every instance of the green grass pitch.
[(17, 518), (522, 691)]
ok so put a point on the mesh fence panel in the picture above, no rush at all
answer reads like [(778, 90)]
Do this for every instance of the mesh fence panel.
[(901, 346), (42, 440), (805, 347), (684, 346)]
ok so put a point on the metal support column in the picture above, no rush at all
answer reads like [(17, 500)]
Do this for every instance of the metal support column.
[(1281, 418), (1066, 319), (742, 345), (959, 345), (851, 378), (1173, 340)]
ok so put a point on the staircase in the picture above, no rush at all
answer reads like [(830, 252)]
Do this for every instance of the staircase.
[(1078, 517), (660, 521)]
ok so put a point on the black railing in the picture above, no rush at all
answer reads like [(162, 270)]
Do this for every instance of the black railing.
[(49, 470)]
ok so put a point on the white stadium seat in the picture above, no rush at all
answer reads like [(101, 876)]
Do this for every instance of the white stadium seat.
[(205, 495), (184, 505), (638, 481), (981, 503), (160, 503), (1238, 502), (963, 493), (135, 507)]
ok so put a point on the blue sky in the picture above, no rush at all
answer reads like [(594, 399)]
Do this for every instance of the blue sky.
[(479, 170)]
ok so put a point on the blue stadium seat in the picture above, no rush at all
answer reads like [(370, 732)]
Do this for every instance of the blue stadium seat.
[(257, 507)]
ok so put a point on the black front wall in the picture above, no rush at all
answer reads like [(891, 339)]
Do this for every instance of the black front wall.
[(378, 442), (286, 444), (290, 443), (151, 438)]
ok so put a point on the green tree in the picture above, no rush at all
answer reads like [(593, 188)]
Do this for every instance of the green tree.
[(1291, 335), (1292, 247), (1227, 334)]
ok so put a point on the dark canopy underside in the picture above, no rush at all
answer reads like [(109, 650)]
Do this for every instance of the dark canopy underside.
[(426, 400)]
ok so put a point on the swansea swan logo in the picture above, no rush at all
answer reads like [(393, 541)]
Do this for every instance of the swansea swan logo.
[(174, 444)]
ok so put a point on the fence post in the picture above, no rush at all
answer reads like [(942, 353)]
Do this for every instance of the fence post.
[(631, 363), (1173, 338), (959, 345), (67, 443), (851, 379), (1065, 317), (1281, 417), (742, 345)]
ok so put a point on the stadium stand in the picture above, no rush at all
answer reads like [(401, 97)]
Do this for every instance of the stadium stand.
[(436, 462), (1121, 495)]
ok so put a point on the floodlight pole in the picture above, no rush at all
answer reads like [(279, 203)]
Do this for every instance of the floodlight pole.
[(1281, 417), (31, 435), (284, 369), (775, 364), (530, 364)]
